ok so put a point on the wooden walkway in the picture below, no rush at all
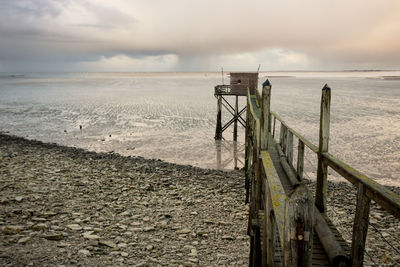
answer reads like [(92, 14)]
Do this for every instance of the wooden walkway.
[(287, 225), (319, 256)]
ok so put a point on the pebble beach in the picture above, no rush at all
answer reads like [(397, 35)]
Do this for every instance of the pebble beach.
[(63, 206)]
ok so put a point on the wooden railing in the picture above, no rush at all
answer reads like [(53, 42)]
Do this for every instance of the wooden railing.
[(288, 215), (282, 211)]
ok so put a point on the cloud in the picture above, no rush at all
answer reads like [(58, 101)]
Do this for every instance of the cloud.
[(200, 35)]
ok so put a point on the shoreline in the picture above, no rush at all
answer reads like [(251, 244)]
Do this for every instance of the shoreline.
[(69, 206)]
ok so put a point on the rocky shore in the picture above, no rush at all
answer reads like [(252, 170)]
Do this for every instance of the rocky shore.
[(62, 206)]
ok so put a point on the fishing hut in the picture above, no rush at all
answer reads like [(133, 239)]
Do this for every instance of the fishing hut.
[(239, 84)]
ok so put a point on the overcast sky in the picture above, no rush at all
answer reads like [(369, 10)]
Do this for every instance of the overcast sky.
[(201, 35)]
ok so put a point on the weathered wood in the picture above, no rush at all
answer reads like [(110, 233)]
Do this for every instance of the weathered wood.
[(310, 145), (298, 238), (287, 168), (265, 114), (236, 119), (300, 160), (218, 128), (266, 251), (377, 192), (281, 135), (273, 129), (247, 155), (289, 147), (332, 247), (322, 169), (360, 226), (277, 193)]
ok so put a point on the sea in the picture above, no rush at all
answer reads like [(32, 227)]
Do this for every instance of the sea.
[(172, 116)]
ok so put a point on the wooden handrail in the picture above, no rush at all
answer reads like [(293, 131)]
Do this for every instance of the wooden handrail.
[(277, 193), (377, 192), (310, 145)]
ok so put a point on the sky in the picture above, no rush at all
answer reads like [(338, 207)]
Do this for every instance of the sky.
[(202, 35)]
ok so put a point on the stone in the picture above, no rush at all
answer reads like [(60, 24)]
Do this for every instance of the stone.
[(124, 254), (39, 227), (183, 231), (108, 243), (12, 229), (53, 236), (89, 235), (85, 252), (227, 237), (24, 240), (75, 227)]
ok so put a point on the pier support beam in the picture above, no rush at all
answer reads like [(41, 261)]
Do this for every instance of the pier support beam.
[(218, 129), (236, 119)]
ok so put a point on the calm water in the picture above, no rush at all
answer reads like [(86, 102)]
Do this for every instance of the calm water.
[(171, 116)]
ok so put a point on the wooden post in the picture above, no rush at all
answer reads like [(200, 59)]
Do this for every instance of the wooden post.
[(299, 214), (360, 227), (273, 129), (289, 149), (236, 120), (300, 160), (265, 114), (322, 170), (218, 129)]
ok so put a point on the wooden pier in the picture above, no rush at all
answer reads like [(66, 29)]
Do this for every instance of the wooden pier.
[(288, 226)]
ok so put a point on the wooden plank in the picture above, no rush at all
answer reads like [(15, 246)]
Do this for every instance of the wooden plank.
[(332, 247), (254, 105), (322, 168), (360, 227), (287, 168), (277, 192), (377, 192)]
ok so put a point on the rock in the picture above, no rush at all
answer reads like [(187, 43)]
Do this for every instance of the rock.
[(183, 231), (19, 198), (149, 247), (24, 240), (227, 237), (107, 243), (53, 236), (39, 227), (148, 229), (124, 254), (89, 235), (84, 252), (75, 227), (12, 229)]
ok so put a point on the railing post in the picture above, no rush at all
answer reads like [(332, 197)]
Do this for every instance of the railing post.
[(322, 170), (299, 214), (289, 147), (265, 114), (218, 128), (360, 226), (300, 160)]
